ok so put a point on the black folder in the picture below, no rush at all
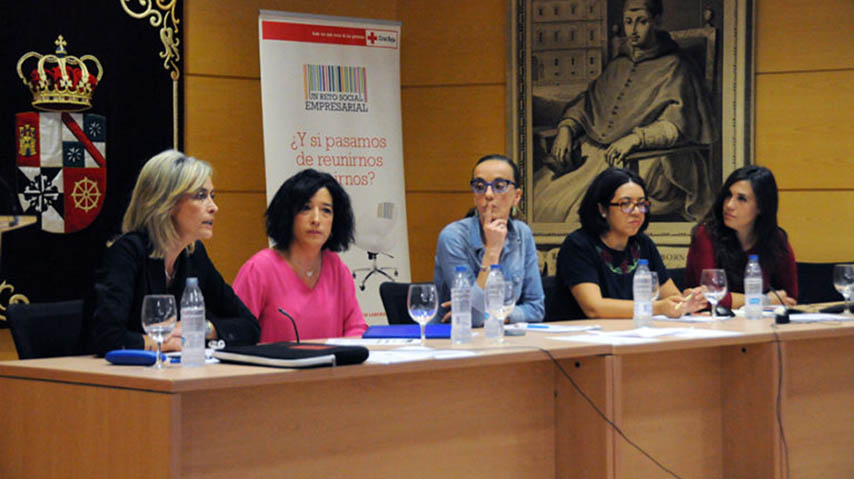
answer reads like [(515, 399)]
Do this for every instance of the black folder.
[(287, 354)]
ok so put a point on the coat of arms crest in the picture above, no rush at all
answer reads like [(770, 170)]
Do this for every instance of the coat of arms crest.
[(61, 153)]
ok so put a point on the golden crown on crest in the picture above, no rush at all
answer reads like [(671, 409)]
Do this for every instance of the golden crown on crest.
[(61, 82)]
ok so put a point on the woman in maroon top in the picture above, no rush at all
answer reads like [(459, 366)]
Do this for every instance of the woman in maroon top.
[(743, 221)]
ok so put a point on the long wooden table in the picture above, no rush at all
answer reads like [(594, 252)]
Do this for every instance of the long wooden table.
[(702, 408)]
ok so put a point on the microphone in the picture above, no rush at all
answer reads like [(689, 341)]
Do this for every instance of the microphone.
[(781, 313), (296, 331)]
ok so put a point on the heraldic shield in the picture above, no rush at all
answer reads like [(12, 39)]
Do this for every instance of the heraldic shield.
[(62, 168)]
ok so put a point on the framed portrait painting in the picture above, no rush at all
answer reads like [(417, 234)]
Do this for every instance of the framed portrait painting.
[(662, 87)]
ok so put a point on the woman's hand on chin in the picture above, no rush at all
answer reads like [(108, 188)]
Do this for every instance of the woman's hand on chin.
[(494, 232)]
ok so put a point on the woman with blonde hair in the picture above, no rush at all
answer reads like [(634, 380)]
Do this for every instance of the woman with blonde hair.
[(171, 210)]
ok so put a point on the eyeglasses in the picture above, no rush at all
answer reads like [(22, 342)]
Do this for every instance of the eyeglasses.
[(627, 206), (499, 185)]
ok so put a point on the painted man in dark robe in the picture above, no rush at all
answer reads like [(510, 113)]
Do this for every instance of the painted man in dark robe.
[(649, 97)]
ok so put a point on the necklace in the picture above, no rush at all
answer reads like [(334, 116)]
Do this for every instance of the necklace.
[(300, 269), (169, 277)]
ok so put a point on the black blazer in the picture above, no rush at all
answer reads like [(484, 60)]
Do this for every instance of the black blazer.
[(112, 309)]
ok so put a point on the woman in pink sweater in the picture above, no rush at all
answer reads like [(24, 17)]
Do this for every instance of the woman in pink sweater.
[(309, 219)]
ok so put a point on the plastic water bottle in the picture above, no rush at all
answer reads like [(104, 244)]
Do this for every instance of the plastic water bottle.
[(461, 306), (493, 326), (753, 288), (642, 295), (193, 325)]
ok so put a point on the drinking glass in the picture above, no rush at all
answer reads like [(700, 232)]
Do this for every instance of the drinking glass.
[(158, 319), (500, 302), (509, 300), (656, 288), (422, 301), (499, 305), (714, 287), (843, 281)]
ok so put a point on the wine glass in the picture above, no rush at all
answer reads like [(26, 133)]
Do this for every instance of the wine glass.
[(843, 281), (656, 288), (158, 319), (714, 287), (422, 301)]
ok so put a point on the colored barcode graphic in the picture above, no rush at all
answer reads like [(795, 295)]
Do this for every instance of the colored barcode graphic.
[(385, 210), (336, 79)]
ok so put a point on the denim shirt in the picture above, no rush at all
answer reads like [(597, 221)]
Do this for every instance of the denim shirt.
[(460, 243)]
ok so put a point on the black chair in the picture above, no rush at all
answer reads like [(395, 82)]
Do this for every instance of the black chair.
[(815, 283), (45, 330), (549, 289), (394, 301), (678, 277)]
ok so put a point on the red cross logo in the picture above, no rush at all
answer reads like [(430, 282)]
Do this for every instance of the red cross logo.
[(372, 37)]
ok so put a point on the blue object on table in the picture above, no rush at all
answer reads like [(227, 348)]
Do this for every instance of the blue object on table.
[(433, 331), (133, 357)]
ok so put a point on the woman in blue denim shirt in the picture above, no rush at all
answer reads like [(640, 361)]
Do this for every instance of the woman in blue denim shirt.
[(491, 237)]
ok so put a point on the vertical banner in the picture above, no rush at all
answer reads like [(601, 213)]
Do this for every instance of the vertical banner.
[(330, 93)]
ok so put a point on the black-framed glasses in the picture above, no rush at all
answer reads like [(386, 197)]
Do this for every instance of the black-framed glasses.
[(627, 206), (499, 185)]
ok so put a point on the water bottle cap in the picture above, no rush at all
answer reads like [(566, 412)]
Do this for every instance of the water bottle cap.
[(192, 281), (494, 267), (643, 261), (753, 257), (461, 268)]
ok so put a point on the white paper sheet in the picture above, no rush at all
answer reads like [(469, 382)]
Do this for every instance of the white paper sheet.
[(559, 328), (416, 353), (614, 340), (818, 318), (372, 341)]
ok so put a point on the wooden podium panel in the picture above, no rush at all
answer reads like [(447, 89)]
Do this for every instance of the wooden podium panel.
[(700, 407), (491, 421), (493, 415), (819, 406), (57, 429)]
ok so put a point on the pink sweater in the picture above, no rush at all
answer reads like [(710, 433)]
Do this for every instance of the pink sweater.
[(266, 283)]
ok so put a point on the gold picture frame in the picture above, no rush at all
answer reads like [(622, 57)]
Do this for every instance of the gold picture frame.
[(547, 37)]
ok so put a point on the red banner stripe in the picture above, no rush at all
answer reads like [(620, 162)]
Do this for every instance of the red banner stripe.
[(298, 32), (82, 138)]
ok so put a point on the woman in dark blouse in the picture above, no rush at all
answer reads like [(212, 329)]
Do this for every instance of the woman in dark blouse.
[(596, 263), (743, 221), (172, 208)]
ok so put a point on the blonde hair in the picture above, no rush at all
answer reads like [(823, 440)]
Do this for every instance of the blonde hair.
[(164, 179)]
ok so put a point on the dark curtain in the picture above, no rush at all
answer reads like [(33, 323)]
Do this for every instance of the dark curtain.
[(135, 96)]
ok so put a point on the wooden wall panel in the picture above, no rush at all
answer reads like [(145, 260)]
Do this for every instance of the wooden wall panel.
[(446, 129), (222, 35), (223, 127), (238, 230), (453, 66), (448, 42), (819, 224), (794, 35), (427, 214), (8, 352), (804, 125)]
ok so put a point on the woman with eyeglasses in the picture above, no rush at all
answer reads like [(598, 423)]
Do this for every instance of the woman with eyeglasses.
[(171, 210), (743, 221), (597, 262), (492, 236)]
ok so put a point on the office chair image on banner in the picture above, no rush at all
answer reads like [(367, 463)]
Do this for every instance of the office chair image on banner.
[(375, 234)]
